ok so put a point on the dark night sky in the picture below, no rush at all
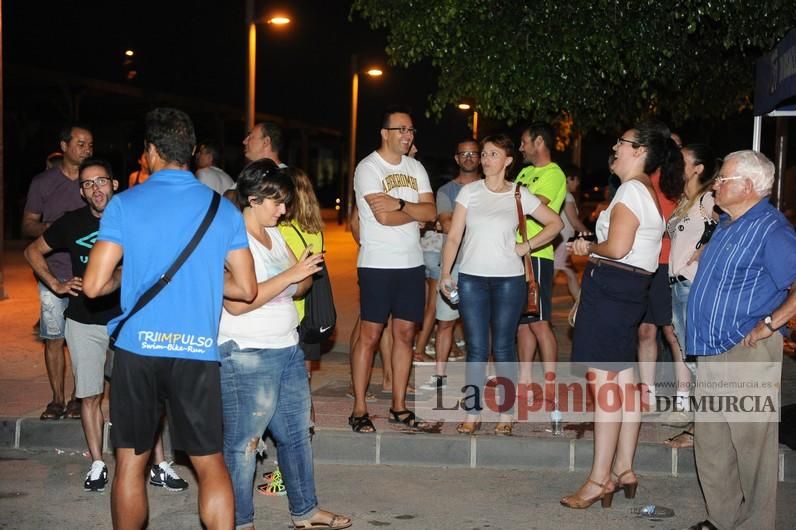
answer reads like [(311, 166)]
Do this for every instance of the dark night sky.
[(198, 48)]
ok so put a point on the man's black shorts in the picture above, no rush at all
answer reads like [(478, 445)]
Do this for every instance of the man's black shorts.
[(189, 390), (659, 307), (543, 272), (397, 292)]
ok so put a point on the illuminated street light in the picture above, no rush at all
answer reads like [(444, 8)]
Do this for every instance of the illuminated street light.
[(129, 53), (352, 144), (251, 23), (464, 105)]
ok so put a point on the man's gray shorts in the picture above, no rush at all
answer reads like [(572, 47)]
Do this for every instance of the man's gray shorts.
[(88, 344)]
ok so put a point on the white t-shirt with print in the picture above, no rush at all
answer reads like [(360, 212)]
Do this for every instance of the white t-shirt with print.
[(272, 325), (389, 247), (491, 229), (647, 243)]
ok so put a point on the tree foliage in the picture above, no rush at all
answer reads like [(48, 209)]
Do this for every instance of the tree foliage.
[(604, 62)]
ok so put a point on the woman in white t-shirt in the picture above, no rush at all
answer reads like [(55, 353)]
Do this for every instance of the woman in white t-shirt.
[(613, 301), (263, 379), (690, 227), (491, 282)]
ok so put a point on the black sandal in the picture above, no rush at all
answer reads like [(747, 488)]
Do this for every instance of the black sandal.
[(406, 417), (361, 424)]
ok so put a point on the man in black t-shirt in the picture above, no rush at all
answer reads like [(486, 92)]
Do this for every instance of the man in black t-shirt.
[(86, 318)]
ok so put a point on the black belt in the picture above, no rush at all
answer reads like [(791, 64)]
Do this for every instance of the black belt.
[(618, 265), (677, 279)]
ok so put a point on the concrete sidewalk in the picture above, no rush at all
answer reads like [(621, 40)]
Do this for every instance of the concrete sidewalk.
[(24, 391)]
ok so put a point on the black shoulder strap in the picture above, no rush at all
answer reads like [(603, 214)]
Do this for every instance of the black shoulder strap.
[(304, 241), (164, 280)]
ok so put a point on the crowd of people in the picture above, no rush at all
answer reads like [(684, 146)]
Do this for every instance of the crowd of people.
[(193, 312)]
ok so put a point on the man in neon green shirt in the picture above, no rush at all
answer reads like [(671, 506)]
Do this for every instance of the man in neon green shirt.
[(544, 179)]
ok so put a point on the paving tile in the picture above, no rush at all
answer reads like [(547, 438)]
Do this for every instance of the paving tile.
[(522, 453), (8, 427), (59, 434), (425, 450), (344, 447)]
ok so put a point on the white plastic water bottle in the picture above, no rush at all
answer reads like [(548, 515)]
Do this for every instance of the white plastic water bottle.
[(556, 422), (454, 296)]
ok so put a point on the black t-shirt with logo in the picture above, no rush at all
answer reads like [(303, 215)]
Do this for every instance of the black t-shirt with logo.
[(76, 232)]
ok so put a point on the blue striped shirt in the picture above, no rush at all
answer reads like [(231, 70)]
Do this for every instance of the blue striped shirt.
[(744, 274)]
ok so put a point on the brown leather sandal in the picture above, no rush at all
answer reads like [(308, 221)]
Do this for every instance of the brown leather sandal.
[(336, 522), (605, 497), (53, 411), (629, 487)]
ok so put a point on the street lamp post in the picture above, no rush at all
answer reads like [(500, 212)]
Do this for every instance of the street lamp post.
[(352, 144), (468, 106), (251, 24)]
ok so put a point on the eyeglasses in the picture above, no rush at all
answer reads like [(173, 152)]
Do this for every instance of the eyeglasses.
[(469, 154), (98, 182), (403, 129), (721, 179), (634, 145)]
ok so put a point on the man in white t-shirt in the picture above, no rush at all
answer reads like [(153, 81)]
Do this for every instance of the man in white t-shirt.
[(393, 194), (208, 172)]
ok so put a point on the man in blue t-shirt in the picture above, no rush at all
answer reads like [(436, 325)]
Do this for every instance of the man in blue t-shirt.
[(743, 294), (166, 352)]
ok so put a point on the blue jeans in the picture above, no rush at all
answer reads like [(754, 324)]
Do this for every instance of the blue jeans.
[(491, 304), (267, 389), (680, 292)]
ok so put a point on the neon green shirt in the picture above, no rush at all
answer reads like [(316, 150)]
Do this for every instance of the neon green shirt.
[(294, 243), (550, 182)]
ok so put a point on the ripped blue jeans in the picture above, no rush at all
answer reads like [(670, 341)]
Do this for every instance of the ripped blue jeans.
[(267, 389)]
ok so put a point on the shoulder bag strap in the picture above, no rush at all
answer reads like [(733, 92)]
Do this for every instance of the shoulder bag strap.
[(164, 280), (529, 276), (304, 241)]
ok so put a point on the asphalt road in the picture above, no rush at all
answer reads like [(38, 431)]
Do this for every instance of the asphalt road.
[(44, 490)]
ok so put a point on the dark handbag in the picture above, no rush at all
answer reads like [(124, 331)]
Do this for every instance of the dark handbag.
[(165, 279), (320, 315), (710, 225), (532, 307)]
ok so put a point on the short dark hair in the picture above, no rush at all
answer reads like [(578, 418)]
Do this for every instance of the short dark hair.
[(90, 162), (263, 179), (274, 132), (65, 134), (467, 141), (393, 109), (171, 132), (211, 148), (546, 131)]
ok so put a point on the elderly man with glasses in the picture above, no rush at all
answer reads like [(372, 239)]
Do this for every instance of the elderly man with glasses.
[(742, 296)]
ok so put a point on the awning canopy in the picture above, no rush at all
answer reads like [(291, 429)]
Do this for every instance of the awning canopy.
[(775, 82)]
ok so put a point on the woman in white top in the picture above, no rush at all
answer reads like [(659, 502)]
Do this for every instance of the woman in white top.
[(491, 280), (690, 227), (613, 300), (263, 378)]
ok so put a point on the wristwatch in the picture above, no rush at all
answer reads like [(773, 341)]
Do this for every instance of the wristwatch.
[(401, 204), (767, 321)]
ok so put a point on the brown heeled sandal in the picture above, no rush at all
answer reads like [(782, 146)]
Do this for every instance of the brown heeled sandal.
[(605, 497), (630, 487), (468, 427)]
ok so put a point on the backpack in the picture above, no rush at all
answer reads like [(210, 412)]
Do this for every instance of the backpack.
[(320, 315)]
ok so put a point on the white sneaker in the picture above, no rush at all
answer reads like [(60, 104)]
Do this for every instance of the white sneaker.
[(435, 382), (431, 350), (97, 477)]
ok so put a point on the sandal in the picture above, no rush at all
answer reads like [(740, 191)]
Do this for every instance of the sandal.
[(606, 497), (684, 440), (504, 429), (468, 427), (361, 424), (406, 417), (629, 487), (73, 410), (54, 411), (336, 522)]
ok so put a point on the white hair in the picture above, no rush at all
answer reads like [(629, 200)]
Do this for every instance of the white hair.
[(756, 167)]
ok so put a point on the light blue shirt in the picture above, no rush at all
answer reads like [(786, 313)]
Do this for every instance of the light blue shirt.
[(153, 223), (743, 275)]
